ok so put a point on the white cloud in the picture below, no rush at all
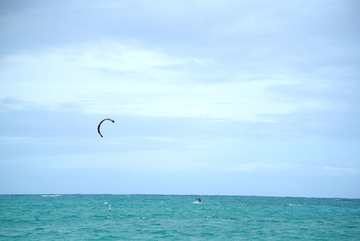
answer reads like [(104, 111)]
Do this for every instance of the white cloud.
[(341, 170), (159, 138), (110, 77)]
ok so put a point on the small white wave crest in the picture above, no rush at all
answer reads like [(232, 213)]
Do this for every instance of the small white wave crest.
[(52, 195)]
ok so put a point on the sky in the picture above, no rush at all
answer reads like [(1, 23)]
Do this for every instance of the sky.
[(208, 97)]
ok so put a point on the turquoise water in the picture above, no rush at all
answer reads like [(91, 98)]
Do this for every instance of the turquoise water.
[(173, 217)]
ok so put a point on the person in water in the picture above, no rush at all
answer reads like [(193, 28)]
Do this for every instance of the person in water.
[(199, 199)]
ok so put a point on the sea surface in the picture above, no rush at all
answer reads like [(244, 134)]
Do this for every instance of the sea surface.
[(177, 217)]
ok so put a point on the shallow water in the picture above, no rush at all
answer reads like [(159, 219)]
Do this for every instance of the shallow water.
[(177, 217)]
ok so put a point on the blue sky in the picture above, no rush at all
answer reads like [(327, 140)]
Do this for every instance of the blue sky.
[(208, 97)]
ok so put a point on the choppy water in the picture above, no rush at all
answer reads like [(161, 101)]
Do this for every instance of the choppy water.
[(172, 217)]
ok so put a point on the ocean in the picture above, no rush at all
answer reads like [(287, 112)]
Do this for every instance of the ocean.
[(177, 217)]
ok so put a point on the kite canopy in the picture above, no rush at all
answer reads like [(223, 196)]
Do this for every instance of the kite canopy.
[(102, 122)]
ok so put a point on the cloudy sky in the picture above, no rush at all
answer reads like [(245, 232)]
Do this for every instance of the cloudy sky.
[(208, 97)]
